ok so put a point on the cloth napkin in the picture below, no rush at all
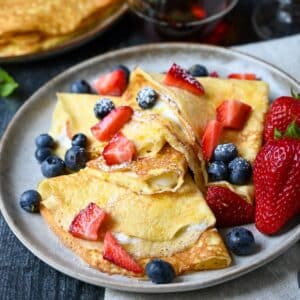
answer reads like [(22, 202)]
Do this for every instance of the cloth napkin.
[(278, 279)]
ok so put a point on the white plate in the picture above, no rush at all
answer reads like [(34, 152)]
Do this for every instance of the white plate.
[(19, 171)]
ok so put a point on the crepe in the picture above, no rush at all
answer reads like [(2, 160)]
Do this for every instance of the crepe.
[(193, 112), (149, 131), (36, 25), (174, 226)]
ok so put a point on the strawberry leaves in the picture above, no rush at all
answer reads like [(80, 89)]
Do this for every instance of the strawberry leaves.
[(7, 84), (294, 94), (292, 131)]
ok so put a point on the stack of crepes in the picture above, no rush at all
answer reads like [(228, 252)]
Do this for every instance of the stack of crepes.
[(37, 25), (156, 203)]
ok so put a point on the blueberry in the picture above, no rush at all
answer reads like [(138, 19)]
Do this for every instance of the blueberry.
[(103, 107), (42, 153), (79, 139), (53, 166), (225, 152), (240, 171), (240, 241), (30, 201), (76, 158), (160, 271), (217, 171), (125, 69), (146, 97), (80, 87), (198, 71), (44, 141)]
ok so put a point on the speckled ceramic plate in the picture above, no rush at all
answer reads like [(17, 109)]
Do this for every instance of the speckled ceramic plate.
[(73, 43), (19, 171)]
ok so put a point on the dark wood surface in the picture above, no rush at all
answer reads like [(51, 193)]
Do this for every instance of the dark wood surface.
[(22, 275)]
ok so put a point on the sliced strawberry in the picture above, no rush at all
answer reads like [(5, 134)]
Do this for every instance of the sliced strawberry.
[(112, 123), (87, 223), (198, 11), (233, 114), (119, 150), (111, 84), (228, 207), (245, 76), (182, 79), (210, 138), (114, 253)]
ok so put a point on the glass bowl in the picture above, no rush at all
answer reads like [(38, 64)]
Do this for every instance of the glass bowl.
[(182, 17)]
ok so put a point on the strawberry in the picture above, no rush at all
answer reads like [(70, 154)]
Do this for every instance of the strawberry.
[(229, 208), (87, 223), (112, 123), (277, 183), (214, 74), (210, 138), (114, 253), (182, 79), (245, 76), (198, 11), (111, 84), (233, 114), (281, 113), (119, 150)]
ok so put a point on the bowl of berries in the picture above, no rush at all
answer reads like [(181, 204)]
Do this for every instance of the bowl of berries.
[(181, 18)]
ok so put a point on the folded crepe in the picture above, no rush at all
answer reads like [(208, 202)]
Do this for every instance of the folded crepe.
[(175, 226), (31, 26)]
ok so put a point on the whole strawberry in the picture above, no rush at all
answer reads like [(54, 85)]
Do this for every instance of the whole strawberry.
[(277, 182), (282, 112)]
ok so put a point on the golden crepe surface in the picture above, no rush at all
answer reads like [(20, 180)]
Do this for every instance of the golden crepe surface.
[(173, 226), (37, 25)]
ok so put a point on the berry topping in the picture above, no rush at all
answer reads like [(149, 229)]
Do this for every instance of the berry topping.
[(198, 71), (53, 166), (80, 87), (217, 171), (240, 171), (228, 207), (245, 76), (198, 11), (112, 84), (42, 153), (233, 114), (114, 253), (112, 123), (119, 150), (30, 201), (225, 152), (87, 223), (282, 112), (160, 271), (44, 141), (240, 241), (76, 158), (214, 74), (210, 138), (103, 107), (276, 179), (80, 140), (182, 79), (125, 69), (146, 97)]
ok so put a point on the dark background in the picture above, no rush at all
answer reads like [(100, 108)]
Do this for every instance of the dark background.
[(22, 275)]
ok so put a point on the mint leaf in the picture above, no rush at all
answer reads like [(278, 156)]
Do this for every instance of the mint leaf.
[(7, 84), (277, 134), (293, 131), (295, 94)]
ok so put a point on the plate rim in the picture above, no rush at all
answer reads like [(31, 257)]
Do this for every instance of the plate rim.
[(71, 44), (130, 286)]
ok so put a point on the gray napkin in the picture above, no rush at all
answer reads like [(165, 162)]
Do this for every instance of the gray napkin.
[(276, 280)]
